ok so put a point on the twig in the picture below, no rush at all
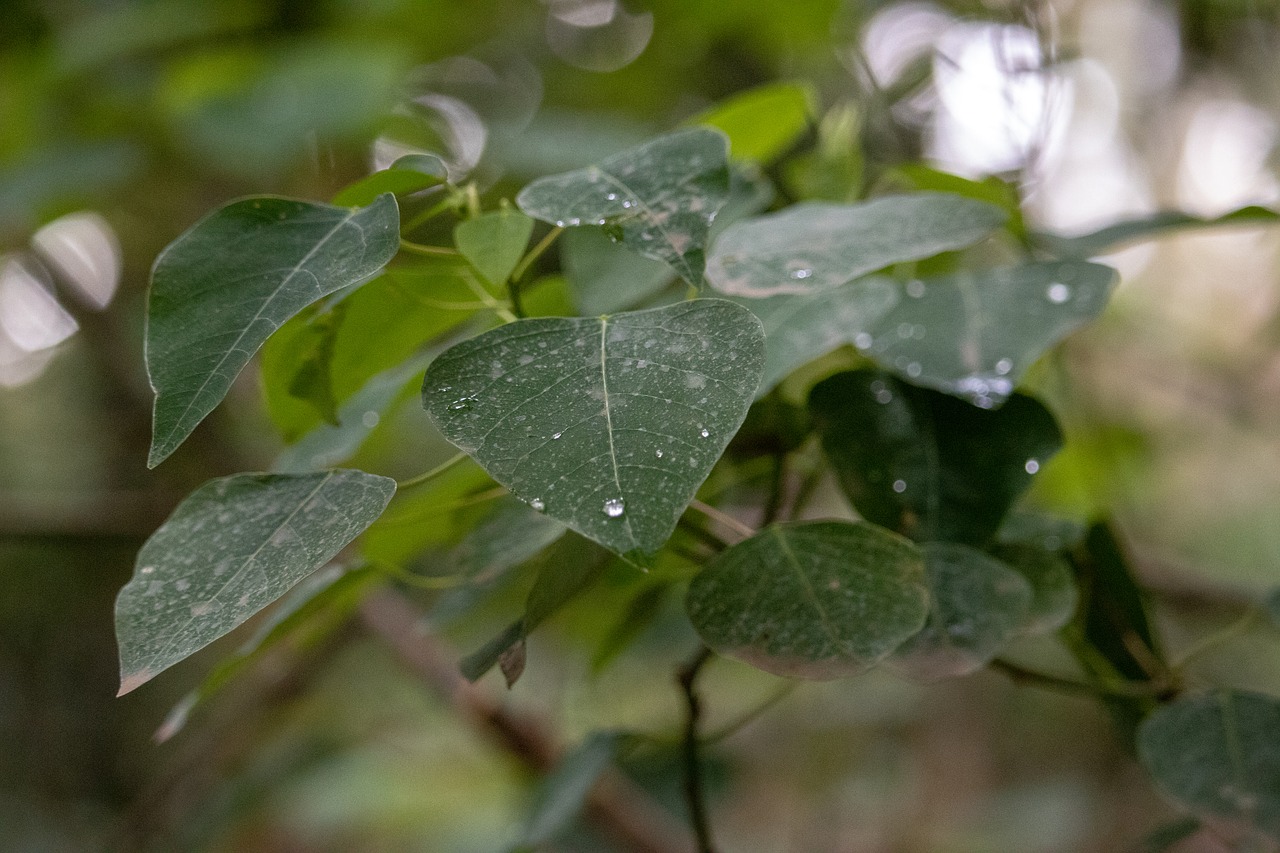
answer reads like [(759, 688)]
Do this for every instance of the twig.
[(723, 517), (1126, 690), (535, 253), (615, 804), (687, 677)]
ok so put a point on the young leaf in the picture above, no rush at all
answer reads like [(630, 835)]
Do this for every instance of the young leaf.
[(762, 123), (1219, 756), (977, 605), (1053, 590), (925, 464), (409, 174), (608, 424), (232, 547), (816, 246), (974, 334), (494, 243), (818, 600), (658, 199), (211, 307)]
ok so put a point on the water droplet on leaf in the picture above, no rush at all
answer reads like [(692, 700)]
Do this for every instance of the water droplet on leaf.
[(899, 486), (1032, 466), (704, 432), (614, 507), (1003, 366), (915, 288), (537, 504), (1058, 293)]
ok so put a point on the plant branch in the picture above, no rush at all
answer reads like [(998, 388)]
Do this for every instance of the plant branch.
[(687, 677), (615, 804), (723, 517), (536, 252), (1125, 690)]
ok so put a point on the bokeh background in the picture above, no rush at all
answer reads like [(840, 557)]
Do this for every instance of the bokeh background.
[(123, 121)]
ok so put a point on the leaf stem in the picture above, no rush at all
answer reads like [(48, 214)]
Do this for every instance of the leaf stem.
[(1124, 690), (1204, 644), (429, 251), (751, 714), (408, 578), (533, 254), (687, 677), (723, 517), (428, 476), (434, 210)]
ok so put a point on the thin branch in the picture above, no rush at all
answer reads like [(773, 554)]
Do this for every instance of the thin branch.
[(535, 253), (428, 476), (723, 517), (749, 716), (429, 251), (687, 677), (1125, 690)]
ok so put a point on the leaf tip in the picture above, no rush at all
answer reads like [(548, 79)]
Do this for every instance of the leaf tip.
[(134, 680)]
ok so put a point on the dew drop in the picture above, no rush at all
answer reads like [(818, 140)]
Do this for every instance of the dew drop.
[(611, 196), (914, 369), (1003, 366), (905, 330), (657, 453), (614, 507), (899, 486), (146, 570), (559, 223), (915, 288), (537, 504), (461, 404), (628, 203), (862, 340), (704, 432), (801, 273), (884, 396), (1058, 293), (1032, 466), (575, 221)]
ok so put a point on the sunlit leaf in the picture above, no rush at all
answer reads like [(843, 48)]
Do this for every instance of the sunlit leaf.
[(409, 174), (231, 548), (494, 242), (815, 246), (1053, 589), (658, 199), (762, 123), (817, 600), (977, 605), (926, 464), (608, 424), (212, 307), (1219, 756), (974, 334)]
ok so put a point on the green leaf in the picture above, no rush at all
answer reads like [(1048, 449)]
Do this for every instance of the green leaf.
[(494, 242), (977, 605), (232, 547), (658, 199), (409, 174), (508, 535), (1054, 594), (974, 334), (604, 275), (219, 290), (801, 327), (925, 464), (818, 600), (1163, 838), (816, 246), (917, 177), (564, 791), (1219, 756), (609, 424), (1150, 227), (762, 123)]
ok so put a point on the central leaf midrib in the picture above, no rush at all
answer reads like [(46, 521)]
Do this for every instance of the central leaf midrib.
[(608, 424), (791, 560)]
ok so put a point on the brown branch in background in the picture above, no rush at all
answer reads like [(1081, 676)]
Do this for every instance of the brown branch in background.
[(687, 678), (616, 805)]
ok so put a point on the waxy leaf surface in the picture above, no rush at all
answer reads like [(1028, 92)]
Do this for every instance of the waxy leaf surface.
[(232, 547), (658, 199), (974, 334), (1219, 756), (815, 600), (219, 290), (815, 246), (608, 424), (926, 464)]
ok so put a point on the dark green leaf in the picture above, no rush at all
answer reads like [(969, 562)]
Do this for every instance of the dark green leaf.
[(410, 174), (608, 424), (815, 246), (1146, 228), (1054, 594), (977, 605), (974, 334), (658, 199), (231, 548), (219, 290), (926, 464), (494, 242), (564, 791), (1219, 756), (817, 600), (762, 123), (833, 171), (606, 276)]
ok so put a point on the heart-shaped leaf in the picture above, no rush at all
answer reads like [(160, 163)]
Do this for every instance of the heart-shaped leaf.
[(409, 174), (219, 290), (1219, 756), (231, 548), (608, 424), (977, 605), (926, 464), (819, 245), (657, 199), (816, 600), (762, 123), (974, 334), (494, 242)]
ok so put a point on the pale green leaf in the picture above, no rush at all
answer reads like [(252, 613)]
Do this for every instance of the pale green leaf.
[(815, 246), (494, 242), (658, 199), (609, 424), (1218, 755), (974, 334), (764, 122), (232, 547), (977, 605), (219, 290), (816, 600), (409, 174)]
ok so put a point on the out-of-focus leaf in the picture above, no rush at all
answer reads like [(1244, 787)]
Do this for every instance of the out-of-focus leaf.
[(920, 178), (605, 276), (815, 246), (564, 791), (811, 600), (926, 464), (974, 334), (494, 243), (977, 605), (1273, 606), (1219, 756), (1054, 594), (231, 548), (510, 533), (1163, 838), (62, 175), (607, 424), (657, 199), (762, 123), (640, 612), (210, 309), (1156, 225), (409, 174), (834, 170)]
